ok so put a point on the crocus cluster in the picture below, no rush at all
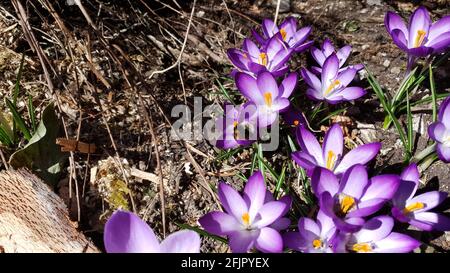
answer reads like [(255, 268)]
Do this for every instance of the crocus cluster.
[(262, 76)]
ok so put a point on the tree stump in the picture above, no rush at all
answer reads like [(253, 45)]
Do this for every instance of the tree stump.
[(34, 219)]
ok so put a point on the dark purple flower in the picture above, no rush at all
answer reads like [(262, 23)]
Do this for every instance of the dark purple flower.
[(320, 55), (422, 37), (439, 131), (376, 236), (287, 32), (125, 232), (312, 236), (265, 93), (294, 117), (354, 196), (333, 85), (414, 210), (232, 128), (248, 220), (330, 155), (253, 60)]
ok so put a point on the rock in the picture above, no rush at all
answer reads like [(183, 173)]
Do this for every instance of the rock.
[(374, 2), (386, 63), (395, 70), (285, 5)]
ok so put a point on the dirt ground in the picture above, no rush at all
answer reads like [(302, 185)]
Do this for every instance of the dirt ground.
[(109, 79)]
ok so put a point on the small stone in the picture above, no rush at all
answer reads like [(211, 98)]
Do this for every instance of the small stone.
[(364, 47), (386, 63), (285, 5), (395, 70)]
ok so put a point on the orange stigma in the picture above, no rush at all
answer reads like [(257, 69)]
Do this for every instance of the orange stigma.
[(413, 207), (296, 122), (283, 34), (332, 86), (362, 247), (246, 219), (263, 58), (268, 99), (420, 37), (317, 243)]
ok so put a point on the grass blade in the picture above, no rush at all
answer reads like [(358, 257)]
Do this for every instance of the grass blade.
[(31, 113), (18, 120), (202, 232), (433, 93)]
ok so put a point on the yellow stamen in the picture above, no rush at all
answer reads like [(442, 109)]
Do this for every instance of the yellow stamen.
[(268, 99), (419, 38), (283, 34), (246, 218), (317, 243), (347, 203), (263, 58), (413, 207), (245, 55), (296, 122), (332, 86), (362, 247), (235, 130), (235, 124), (331, 159)]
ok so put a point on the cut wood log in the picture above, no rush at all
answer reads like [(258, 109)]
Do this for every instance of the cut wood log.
[(34, 219)]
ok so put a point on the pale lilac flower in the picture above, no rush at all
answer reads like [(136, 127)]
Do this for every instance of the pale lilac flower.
[(439, 131), (248, 221), (125, 232)]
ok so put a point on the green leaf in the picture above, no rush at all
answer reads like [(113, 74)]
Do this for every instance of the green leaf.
[(42, 154), (433, 93), (18, 119), (202, 232)]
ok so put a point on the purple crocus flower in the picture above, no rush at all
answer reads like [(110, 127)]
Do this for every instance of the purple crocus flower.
[(439, 131), (232, 126), (287, 32), (320, 55), (376, 236), (354, 196), (330, 155), (333, 85), (252, 60), (125, 232), (265, 93), (312, 236), (248, 220), (294, 117), (422, 37), (414, 210)]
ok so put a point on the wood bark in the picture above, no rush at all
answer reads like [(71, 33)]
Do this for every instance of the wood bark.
[(34, 219)]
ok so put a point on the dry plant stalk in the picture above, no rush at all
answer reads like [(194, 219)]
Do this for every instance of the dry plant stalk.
[(34, 219)]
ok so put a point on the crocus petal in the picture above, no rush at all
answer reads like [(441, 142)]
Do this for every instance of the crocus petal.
[(350, 225), (437, 131), (419, 21), (254, 193), (269, 28), (354, 181), (343, 54), (288, 85), (347, 76), (396, 243), (360, 155), (393, 21), (237, 59), (408, 186), (298, 47), (219, 223), (314, 94), (304, 160), (125, 232), (281, 224), (274, 45), (329, 70), (440, 43), (444, 112), (381, 186), (326, 224), (248, 87), (252, 49), (375, 229), (256, 68), (310, 79), (368, 207), (295, 241), (439, 27), (324, 180), (269, 213), (258, 37), (269, 241), (327, 47), (318, 55), (309, 144), (232, 201), (242, 241), (333, 144), (400, 39), (300, 36), (308, 229), (183, 241), (280, 59), (349, 93), (431, 221), (430, 199), (443, 152), (267, 83), (421, 51)]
